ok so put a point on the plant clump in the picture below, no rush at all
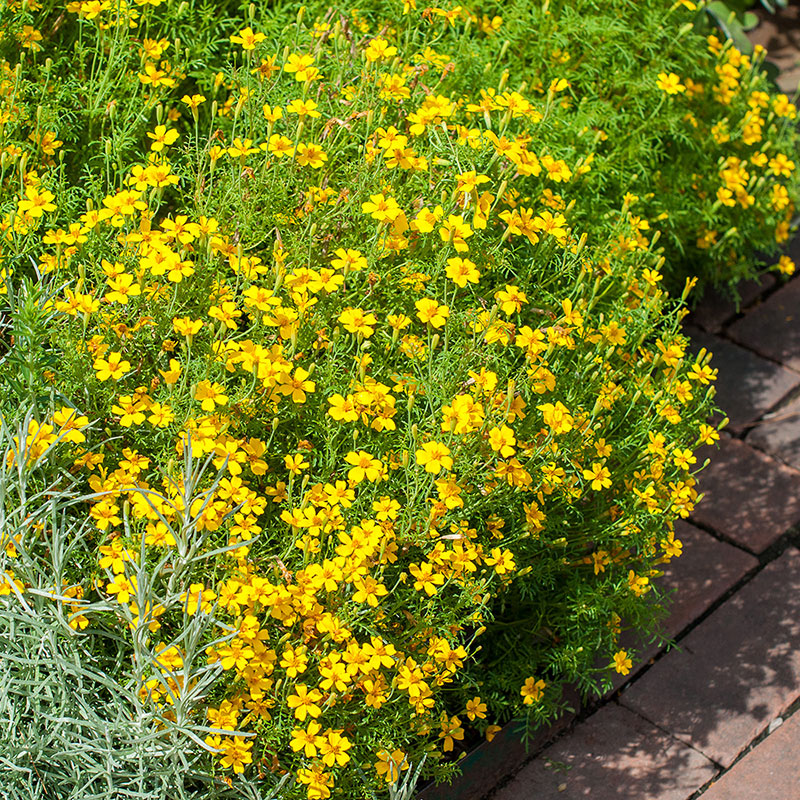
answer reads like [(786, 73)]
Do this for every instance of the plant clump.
[(345, 413)]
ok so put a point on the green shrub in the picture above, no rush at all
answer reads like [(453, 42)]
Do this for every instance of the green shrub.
[(379, 413)]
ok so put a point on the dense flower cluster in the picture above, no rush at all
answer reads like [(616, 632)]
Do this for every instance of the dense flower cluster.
[(349, 372)]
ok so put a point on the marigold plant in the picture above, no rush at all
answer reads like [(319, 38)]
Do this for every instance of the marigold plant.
[(352, 345)]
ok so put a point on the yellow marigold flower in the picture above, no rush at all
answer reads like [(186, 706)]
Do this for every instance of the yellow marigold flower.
[(363, 465), (512, 298), (426, 579), (121, 287), (456, 231), (347, 260), (429, 311), (557, 417), (237, 753), (272, 113), (296, 463), (435, 457), (462, 271), (622, 663), (670, 83), (303, 108), (301, 65), (333, 749), (307, 740), (379, 50), (130, 410), (113, 367), (124, 588), (210, 395), (357, 321), (383, 209), (310, 155), (451, 731), (599, 476), (476, 709), (160, 415), (683, 459), (532, 691), (193, 101), (708, 434), (280, 146), (162, 137), (296, 386), (502, 440), (247, 38), (185, 326), (173, 373), (389, 766), (501, 560), (786, 265), (304, 702), (36, 203), (342, 409)]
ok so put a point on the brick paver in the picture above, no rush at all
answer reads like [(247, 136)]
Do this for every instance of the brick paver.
[(771, 771), (614, 755), (779, 434), (717, 307), (706, 569), (749, 497), (747, 385), (772, 329), (735, 672)]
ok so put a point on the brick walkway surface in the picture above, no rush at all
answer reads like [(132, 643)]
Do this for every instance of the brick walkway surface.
[(715, 717)]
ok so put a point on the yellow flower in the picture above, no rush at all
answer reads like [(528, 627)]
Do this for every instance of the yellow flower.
[(532, 690), (210, 395), (363, 465), (347, 260), (302, 66), (37, 202), (185, 326), (306, 740), (435, 457), (383, 209), (426, 579), (237, 753), (304, 702), (502, 441), (357, 321), (557, 417), (311, 155), (296, 386), (476, 709), (342, 409), (113, 367), (379, 50), (390, 765), (162, 137), (247, 38), (622, 663), (462, 271), (429, 311), (173, 373), (599, 476), (670, 83), (296, 463)]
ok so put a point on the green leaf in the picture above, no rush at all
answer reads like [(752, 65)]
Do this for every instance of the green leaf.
[(749, 20)]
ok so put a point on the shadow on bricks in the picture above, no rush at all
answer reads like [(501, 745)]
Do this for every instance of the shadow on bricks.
[(734, 673)]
